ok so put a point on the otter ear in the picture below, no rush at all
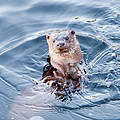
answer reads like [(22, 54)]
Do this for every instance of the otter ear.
[(72, 32), (47, 37)]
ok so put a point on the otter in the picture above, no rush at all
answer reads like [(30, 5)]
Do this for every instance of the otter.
[(64, 71), (65, 53)]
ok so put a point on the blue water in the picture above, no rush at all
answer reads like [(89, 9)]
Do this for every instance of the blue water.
[(24, 50)]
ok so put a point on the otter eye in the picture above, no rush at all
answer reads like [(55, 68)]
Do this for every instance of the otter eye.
[(53, 41), (67, 38)]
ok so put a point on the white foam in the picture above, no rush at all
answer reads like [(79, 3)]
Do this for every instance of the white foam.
[(36, 118)]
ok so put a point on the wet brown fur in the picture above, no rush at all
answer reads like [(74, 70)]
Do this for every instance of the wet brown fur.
[(63, 69)]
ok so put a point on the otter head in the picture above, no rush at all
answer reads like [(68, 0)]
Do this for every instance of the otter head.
[(64, 49), (61, 41)]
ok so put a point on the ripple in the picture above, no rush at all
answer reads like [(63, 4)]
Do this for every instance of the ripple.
[(24, 50)]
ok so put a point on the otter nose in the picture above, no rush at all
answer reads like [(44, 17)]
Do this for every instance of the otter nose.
[(60, 44)]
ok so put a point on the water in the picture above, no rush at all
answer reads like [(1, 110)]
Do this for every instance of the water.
[(24, 50)]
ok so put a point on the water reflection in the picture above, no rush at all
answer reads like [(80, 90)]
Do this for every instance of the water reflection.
[(24, 50)]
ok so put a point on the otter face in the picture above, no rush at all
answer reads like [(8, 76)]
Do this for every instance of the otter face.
[(61, 41)]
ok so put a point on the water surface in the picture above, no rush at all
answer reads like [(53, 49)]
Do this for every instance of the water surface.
[(24, 50)]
